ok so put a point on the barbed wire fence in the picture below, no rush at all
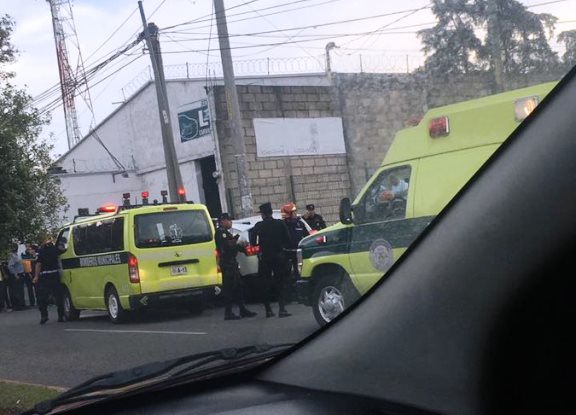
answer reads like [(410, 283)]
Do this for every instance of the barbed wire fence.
[(359, 63)]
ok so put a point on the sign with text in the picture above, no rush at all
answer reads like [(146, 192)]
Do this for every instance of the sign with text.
[(195, 121), (285, 137)]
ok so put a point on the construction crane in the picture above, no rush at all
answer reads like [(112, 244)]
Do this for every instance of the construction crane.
[(72, 82)]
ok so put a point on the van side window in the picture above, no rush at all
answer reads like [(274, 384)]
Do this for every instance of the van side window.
[(386, 198), (99, 237)]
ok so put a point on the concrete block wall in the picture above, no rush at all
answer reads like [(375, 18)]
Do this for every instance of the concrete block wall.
[(322, 180), (373, 107)]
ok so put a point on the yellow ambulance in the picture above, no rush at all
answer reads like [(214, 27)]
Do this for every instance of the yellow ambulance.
[(134, 257), (423, 170)]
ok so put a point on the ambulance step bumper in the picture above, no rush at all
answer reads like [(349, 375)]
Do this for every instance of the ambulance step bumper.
[(173, 299)]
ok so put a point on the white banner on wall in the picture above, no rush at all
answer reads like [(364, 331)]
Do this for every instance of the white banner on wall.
[(281, 137)]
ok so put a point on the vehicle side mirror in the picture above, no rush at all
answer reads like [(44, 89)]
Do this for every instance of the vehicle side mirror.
[(345, 211)]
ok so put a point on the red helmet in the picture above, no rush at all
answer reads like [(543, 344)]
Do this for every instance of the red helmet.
[(288, 208)]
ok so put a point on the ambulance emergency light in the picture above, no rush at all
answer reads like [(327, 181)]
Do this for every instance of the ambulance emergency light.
[(439, 127), (524, 106)]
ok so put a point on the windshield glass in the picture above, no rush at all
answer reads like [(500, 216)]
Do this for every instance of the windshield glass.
[(171, 229), (167, 189)]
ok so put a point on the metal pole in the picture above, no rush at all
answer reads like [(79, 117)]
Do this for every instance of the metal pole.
[(175, 186), (495, 46), (234, 116)]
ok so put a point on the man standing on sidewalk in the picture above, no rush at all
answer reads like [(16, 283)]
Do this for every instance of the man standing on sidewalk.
[(47, 279)]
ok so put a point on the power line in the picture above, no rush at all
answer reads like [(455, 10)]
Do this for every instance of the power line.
[(359, 19), (113, 33), (255, 17)]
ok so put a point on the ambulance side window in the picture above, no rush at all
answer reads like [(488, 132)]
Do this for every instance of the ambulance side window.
[(386, 198)]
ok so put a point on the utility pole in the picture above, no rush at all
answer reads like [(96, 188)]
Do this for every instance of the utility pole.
[(175, 186), (234, 116), (495, 44)]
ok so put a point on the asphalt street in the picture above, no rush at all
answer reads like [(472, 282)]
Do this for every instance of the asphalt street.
[(66, 354)]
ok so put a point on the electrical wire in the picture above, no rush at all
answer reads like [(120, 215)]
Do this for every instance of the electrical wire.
[(314, 26), (259, 10)]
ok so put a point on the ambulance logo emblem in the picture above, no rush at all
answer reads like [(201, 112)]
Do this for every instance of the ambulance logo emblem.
[(381, 255)]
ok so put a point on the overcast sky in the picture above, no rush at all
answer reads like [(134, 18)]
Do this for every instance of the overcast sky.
[(104, 26)]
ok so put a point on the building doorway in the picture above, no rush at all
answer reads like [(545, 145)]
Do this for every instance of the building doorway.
[(210, 186)]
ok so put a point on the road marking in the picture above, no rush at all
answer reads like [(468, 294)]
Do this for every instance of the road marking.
[(138, 331)]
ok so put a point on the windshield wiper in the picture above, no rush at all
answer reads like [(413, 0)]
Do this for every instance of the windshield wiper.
[(171, 368)]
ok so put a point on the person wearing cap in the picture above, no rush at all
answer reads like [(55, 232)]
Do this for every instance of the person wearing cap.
[(228, 247), (314, 220), (47, 279), (273, 238)]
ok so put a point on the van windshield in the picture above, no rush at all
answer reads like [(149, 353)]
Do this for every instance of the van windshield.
[(171, 228)]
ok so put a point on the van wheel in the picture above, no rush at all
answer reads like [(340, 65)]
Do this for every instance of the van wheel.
[(70, 312), (332, 295), (115, 311)]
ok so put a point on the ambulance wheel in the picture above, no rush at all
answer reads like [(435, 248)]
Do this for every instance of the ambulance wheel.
[(332, 295), (115, 311), (70, 312)]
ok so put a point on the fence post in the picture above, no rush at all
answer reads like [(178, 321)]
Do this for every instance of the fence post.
[(361, 69), (268, 65), (187, 71)]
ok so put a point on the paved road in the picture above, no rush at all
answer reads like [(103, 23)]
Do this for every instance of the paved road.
[(65, 354)]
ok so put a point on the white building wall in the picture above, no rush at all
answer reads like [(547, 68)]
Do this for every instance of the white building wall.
[(94, 190)]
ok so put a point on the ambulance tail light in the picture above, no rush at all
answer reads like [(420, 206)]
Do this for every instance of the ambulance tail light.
[(524, 106), (321, 240), (439, 127), (133, 271)]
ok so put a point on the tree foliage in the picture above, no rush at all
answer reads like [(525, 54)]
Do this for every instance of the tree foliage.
[(474, 35), (30, 198), (569, 39)]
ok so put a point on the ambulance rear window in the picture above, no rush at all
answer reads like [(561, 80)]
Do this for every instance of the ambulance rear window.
[(171, 228)]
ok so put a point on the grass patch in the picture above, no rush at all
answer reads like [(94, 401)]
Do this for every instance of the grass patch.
[(16, 398)]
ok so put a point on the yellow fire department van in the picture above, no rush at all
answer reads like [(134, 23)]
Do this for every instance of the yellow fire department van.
[(423, 170), (134, 257)]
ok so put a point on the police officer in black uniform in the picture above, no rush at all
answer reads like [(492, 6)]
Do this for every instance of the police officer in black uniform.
[(47, 279), (228, 247), (298, 229), (273, 238), (313, 219)]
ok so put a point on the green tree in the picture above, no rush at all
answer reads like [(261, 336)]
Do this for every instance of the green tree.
[(30, 198), (472, 35), (569, 39)]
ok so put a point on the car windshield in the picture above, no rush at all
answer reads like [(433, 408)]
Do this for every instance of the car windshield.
[(170, 188)]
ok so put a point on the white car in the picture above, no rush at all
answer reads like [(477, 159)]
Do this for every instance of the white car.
[(248, 264)]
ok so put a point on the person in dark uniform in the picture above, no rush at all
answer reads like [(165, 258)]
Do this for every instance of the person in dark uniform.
[(273, 238), (298, 229), (314, 220), (228, 247), (47, 279)]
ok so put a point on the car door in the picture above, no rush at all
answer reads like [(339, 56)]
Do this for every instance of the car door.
[(383, 226)]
